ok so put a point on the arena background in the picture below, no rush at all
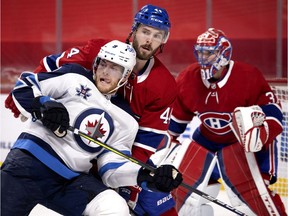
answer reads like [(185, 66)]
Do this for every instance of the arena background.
[(32, 29)]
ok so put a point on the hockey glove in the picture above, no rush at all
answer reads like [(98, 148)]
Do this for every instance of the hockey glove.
[(53, 115), (165, 178), (250, 127)]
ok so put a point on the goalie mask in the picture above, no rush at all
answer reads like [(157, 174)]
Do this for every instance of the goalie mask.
[(212, 51), (153, 16), (119, 53)]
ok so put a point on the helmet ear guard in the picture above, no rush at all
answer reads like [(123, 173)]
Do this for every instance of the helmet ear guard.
[(215, 42)]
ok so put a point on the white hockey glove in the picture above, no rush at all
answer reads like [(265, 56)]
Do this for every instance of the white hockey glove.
[(250, 127)]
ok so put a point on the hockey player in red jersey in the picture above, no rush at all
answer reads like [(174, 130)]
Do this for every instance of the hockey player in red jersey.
[(150, 100), (239, 121)]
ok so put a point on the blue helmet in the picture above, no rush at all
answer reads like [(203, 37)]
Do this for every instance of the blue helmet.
[(153, 16)]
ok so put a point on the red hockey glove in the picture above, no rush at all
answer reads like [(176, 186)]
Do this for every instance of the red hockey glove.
[(9, 104)]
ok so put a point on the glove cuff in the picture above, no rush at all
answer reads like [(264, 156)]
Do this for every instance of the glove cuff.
[(144, 175), (40, 100), (36, 106)]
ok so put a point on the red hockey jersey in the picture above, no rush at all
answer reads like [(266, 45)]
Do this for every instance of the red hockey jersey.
[(214, 103)]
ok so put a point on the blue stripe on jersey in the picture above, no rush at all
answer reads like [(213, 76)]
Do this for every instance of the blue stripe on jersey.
[(176, 127), (25, 98), (31, 81), (65, 69), (45, 157), (110, 166), (26, 74), (23, 81), (208, 144), (20, 84), (51, 61), (149, 138), (272, 110), (23, 91)]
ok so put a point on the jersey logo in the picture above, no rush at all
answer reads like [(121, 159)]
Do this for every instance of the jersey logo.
[(97, 124), (213, 95), (217, 123), (83, 91), (95, 129)]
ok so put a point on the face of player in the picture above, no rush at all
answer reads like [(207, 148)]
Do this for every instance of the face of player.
[(206, 57), (147, 40), (107, 76)]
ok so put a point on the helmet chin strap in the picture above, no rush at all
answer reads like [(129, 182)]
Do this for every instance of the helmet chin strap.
[(113, 91)]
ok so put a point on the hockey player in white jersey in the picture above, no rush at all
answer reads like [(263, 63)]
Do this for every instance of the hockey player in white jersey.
[(50, 165)]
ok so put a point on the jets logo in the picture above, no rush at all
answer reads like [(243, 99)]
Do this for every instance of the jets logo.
[(97, 124), (95, 129), (83, 91)]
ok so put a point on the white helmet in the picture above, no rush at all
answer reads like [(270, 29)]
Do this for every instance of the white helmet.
[(120, 53)]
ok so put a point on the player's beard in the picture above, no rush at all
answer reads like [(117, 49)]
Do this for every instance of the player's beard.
[(143, 55)]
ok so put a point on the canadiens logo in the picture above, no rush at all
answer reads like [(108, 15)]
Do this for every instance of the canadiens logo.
[(216, 122), (98, 124), (83, 91)]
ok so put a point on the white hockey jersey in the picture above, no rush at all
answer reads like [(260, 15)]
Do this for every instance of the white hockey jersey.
[(89, 111)]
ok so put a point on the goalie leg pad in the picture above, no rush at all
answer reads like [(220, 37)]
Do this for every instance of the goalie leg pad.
[(195, 205), (196, 168), (176, 153), (244, 177), (162, 150), (236, 201)]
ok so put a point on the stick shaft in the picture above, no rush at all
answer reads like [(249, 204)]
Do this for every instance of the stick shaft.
[(152, 169)]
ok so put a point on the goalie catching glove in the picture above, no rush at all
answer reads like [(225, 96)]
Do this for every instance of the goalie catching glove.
[(250, 127), (165, 178), (53, 115)]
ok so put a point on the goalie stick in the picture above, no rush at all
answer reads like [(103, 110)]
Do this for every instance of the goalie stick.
[(152, 169)]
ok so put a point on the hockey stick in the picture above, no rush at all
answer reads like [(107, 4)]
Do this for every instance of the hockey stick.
[(152, 169)]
